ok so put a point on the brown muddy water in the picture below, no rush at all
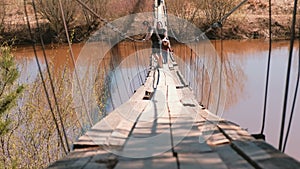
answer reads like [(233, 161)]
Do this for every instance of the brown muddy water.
[(245, 86)]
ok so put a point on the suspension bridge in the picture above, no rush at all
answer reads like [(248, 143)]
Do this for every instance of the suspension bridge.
[(162, 124)]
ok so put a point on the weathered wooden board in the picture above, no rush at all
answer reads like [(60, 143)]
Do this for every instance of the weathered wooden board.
[(82, 158), (149, 129), (177, 81), (263, 158), (278, 159), (120, 134), (231, 158), (201, 160), (100, 133), (233, 131), (188, 142), (164, 161)]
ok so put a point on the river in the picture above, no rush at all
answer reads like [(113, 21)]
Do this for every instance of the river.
[(245, 93)]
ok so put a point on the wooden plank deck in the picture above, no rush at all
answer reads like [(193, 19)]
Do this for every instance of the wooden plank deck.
[(170, 130)]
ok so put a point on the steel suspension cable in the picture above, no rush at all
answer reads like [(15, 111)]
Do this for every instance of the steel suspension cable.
[(50, 77), (203, 77), (73, 61), (288, 76), (132, 76), (268, 70), (121, 70), (42, 78), (113, 68), (294, 99), (221, 71), (138, 63), (212, 78), (129, 72), (143, 63)]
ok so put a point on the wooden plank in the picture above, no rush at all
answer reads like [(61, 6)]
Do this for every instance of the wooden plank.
[(163, 120), (93, 165), (217, 138), (70, 163), (149, 129), (122, 131), (171, 66), (231, 158), (233, 131), (202, 161), (211, 134), (173, 95), (150, 138), (151, 73), (207, 115), (155, 79), (79, 158), (278, 159), (102, 159), (151, 145), (181, 78), (187, 92), (164, 161), (133, 109), (99, 134), (139, 94), (176, 79), (264, 158), (170, 81), (180, 111), (157, 107), (186, 133), (149, 83), (162, 77), (189, 143)]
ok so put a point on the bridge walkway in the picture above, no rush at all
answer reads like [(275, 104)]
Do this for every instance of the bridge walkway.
[(167, 128)]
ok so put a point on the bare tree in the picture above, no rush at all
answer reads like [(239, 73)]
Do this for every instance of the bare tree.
[(98, 6), (203, 12), (50, 10), (214, 10), (187, 10)]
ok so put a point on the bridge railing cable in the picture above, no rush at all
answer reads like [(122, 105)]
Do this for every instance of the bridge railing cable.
[(43, 81), (74, 63), (288, 74), (50, 77), (297, 82), (261, 135)]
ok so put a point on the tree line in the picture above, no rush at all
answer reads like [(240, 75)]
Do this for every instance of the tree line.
[(82, 23)]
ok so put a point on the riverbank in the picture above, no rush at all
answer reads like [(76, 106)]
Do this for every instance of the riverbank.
[(249, 22), (252, 22)]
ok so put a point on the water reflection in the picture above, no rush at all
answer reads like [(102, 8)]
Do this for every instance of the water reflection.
[(247, 111), (58, 56)]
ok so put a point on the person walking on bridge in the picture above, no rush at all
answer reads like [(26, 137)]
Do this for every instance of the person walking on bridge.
[(156, 36)]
